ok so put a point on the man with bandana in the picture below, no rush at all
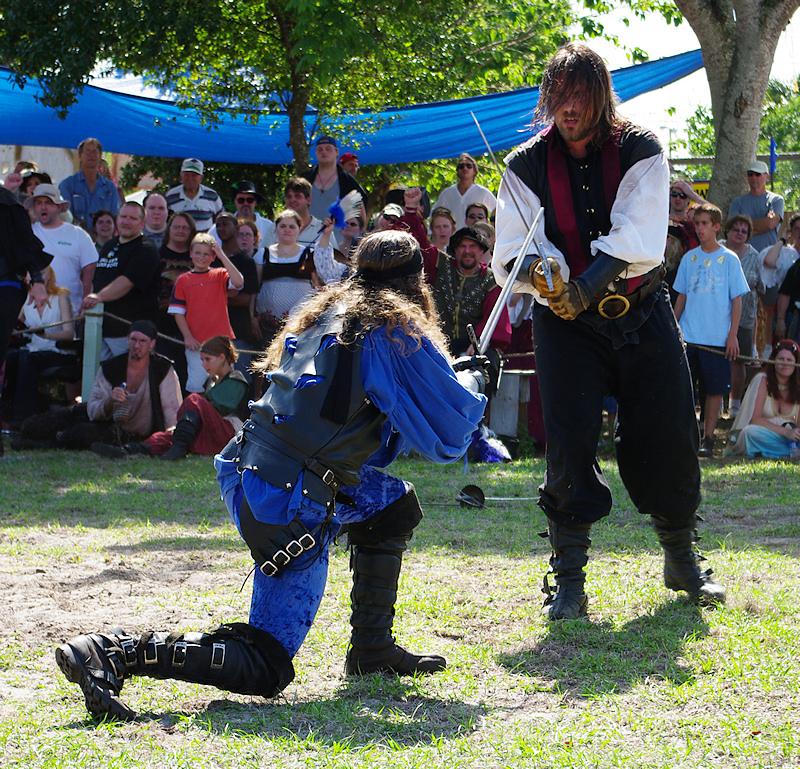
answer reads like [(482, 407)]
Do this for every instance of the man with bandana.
[(359, 373)]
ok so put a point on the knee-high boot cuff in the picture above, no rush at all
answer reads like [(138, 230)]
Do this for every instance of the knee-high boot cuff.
[(570, 546), (396, 521)]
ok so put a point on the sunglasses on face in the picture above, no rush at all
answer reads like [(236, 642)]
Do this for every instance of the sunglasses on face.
[(678, 194), (354, 224), (464, 165), (753, 173), (246, 200)]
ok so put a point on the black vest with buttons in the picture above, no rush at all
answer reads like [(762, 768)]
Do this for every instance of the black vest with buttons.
[(314, 416), (588, 186)]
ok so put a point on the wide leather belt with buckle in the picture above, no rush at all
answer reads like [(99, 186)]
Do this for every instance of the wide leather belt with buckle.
[(617, 304)]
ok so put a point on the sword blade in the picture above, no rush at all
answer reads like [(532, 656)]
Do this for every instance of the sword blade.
[(494, 315)]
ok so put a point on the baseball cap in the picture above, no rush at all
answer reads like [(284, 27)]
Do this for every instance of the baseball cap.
[(348, 156), (758, 167), (327, 140), (192, 165), (392, 209), (49, 191)]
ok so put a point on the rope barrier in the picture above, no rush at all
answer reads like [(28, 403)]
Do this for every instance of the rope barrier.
[(83, 315), (747, 360)]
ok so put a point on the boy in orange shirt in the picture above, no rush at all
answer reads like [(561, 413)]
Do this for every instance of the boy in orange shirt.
[(200, 303)]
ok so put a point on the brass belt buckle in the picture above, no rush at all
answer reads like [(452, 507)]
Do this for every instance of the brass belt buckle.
[(626, 305)]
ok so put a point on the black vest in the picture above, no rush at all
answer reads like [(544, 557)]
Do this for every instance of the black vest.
[(116, 369), (315, 415), (578, 194)]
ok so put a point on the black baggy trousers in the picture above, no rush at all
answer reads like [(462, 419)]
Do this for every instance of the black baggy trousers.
[(656, 438)]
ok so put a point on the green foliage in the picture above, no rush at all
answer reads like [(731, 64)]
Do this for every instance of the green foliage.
[(337, 55), (592, 26), (781, 108)]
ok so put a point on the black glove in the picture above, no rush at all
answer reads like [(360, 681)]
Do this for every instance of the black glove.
[(478, 366), (488, 367)]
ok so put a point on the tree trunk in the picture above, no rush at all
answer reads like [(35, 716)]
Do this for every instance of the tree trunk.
[(738, 39), (298, 77), (297, 132)]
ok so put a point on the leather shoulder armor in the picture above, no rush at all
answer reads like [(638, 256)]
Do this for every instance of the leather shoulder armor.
[(314, 414)]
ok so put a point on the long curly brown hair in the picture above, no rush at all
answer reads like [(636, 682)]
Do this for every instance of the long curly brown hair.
[(401, 302)]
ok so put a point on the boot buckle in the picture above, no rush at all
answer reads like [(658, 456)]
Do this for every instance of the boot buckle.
[(268, 569), (151, 652), (294, 548), (129, 650), (179, 654), (307, 541), (281, 558), (217, 656)]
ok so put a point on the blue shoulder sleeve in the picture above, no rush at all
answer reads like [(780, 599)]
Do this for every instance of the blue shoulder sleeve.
[(419, 393)]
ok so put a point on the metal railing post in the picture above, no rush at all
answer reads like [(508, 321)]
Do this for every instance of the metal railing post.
[(92, 343)]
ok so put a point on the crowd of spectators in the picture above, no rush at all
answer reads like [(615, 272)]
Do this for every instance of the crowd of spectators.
[(188, 271), (737, 302), (185, 271)]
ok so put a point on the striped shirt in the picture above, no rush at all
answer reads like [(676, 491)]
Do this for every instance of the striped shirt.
[(203, 208)]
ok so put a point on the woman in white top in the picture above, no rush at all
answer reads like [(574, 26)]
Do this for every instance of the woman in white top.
[(767, 424), (23, 366), (290, 272)]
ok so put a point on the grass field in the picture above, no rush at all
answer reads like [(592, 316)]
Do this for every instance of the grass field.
[(648, 681)]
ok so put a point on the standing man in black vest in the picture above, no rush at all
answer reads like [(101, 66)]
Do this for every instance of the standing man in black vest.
[(604, 326), (22, 256)]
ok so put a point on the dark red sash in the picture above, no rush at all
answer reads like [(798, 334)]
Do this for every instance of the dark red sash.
[(561, 194)]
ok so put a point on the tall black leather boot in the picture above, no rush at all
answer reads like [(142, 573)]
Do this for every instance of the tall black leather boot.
[(681, 563), (376, 571), (236, 657), (185, 432), (570, 545)]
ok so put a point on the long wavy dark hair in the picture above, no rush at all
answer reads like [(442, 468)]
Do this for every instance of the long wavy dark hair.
[(576, 68), (401, 302), (793, 393)]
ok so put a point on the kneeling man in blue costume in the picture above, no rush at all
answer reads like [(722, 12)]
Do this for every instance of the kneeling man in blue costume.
[(358, 374)]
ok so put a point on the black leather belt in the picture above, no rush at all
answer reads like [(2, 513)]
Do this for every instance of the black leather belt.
[(629, 294)]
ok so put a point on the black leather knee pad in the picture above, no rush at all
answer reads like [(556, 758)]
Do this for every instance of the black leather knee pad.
[(395, 522)]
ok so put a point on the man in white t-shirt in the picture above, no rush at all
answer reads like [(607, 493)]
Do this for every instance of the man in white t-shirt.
[(465, 192), (74, 254)]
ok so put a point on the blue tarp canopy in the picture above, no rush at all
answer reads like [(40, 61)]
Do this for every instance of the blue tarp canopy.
[(145, 126)]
